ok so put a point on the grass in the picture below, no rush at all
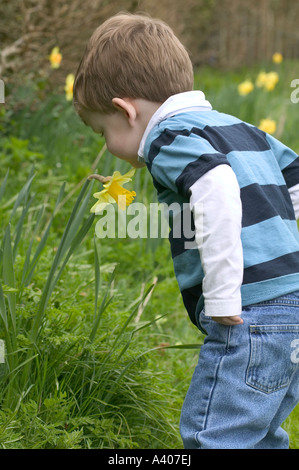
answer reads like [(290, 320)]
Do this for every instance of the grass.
[(80, 360), (95, 331)]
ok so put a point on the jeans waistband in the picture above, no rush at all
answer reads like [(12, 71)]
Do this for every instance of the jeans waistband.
[(286, 299)]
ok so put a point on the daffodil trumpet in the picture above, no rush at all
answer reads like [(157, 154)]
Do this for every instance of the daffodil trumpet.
[(113, 191)]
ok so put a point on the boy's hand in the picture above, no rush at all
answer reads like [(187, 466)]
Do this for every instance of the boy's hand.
[(228, 321)]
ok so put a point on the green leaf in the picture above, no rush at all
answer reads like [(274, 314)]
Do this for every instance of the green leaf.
[(3, 311), (3, 185), (9, 277), (22, 195), (102, 308)]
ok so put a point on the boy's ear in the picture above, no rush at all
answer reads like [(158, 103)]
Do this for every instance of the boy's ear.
[(127, 107)]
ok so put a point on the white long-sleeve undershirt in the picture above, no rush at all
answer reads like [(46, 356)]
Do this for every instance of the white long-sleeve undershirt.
[(217, 211), (294, 193)]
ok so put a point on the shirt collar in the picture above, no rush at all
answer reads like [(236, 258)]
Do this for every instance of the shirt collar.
[(175, 104)]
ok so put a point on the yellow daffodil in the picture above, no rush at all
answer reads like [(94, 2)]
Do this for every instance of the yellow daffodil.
[(268, 81), (113, 191), (55, 58), (268, 125), (277, 58), (272, 80), (69, 85), (245, 87), (261, 79)]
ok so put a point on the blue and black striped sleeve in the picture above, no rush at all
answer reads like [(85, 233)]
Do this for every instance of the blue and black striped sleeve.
[(287, 159), (178, 158)]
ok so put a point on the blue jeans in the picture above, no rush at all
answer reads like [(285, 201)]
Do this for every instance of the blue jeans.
[(246, 382)]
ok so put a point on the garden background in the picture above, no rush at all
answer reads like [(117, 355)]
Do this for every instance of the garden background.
[(96, 348)]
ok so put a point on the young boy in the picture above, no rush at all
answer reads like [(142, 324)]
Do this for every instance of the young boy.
[(240, 285)]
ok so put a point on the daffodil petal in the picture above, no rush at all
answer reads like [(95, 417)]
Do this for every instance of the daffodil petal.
[(130, 173), (103, 199), (116, 174), (100, 194), (122, 179), (99, 207)]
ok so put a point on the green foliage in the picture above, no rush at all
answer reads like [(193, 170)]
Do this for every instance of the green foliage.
[(73, 375)]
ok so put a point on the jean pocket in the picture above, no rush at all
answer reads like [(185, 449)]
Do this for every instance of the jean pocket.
[(274, 356)]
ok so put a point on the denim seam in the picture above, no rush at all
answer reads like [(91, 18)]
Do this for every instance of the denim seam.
[(273, 328), (285, 302), (226, 350)]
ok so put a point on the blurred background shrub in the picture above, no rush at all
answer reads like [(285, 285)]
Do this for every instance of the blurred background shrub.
[(222, 33)]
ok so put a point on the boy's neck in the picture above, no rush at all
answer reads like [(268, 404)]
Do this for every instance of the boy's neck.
[(146, 109)]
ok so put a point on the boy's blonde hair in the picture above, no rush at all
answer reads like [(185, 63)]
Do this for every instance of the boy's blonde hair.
[(131, 56)]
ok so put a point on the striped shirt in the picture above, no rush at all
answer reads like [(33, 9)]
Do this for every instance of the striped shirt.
[(242, 188)]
